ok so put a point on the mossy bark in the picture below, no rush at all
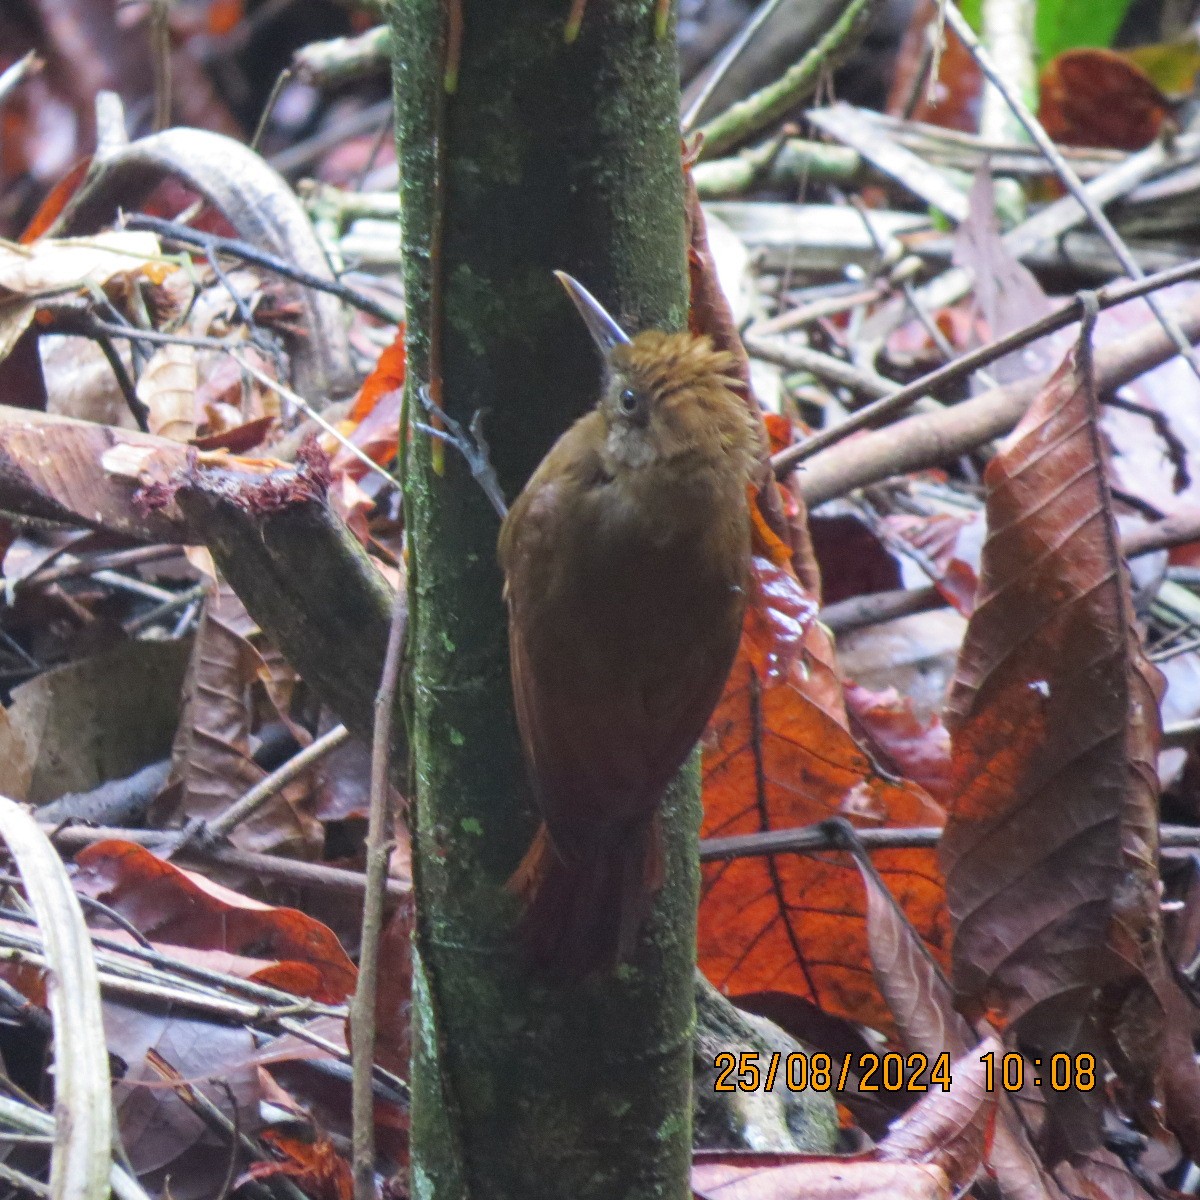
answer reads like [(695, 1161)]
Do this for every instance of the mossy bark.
[(548, 155)]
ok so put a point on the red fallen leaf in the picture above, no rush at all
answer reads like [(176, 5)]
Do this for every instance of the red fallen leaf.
[(935, 539), (1050, 851), (778, 754), (56, 200), (377, 435), (898, 739), (238, 440), (223, 16), (1095, 97), (317, 1167), (182, 909)]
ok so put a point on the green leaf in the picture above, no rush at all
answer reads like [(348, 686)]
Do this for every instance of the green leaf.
[(1067, 24)]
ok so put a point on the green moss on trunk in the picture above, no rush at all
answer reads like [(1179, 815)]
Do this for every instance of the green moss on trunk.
[(551, 156)]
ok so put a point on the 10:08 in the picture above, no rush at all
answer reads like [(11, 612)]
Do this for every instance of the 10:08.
[(1065, 1072)]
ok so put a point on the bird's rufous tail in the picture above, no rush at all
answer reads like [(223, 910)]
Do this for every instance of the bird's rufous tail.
[(583, 913)]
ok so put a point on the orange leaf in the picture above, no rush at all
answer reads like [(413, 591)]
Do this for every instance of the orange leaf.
[(55, 201), (778, 754), (320, 1170), (388, 376)]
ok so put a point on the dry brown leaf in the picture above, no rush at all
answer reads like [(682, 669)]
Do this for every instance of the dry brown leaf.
[(56, 265), (212, 765), (1050, 851), (167, 387)]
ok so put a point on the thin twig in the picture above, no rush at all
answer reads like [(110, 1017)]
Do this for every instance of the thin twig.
[(816, 362), (808, 839), (244, 808), (1070, 180), (139, 410), (136, 624), (378, 851), (112, 561), (160, 51), (265, 116), (235, 248), (312, 414), (268, 866), (890, 406)]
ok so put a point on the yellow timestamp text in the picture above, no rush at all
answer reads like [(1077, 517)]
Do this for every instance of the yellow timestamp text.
[(752, 1070), (1059, 1072)]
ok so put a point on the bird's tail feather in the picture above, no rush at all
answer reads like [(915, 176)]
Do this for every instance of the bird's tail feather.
[(583, 912)]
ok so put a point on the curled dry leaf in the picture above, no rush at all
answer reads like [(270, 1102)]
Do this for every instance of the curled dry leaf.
[(952, 1128), (1050, 851), (922, 1004), (54, 267), (167, 387), (779, 754)]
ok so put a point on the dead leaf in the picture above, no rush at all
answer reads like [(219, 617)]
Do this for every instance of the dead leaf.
[(1096, 97), (180, 908), (316, 1166), (167, 387), (103, 717), (778, 754), (212, 765), (53, 266), (1006, 294), (1050, 851), (922, 1004), (159, 1133)]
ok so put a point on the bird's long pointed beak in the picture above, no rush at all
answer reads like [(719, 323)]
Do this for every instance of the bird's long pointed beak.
[(604, 330)]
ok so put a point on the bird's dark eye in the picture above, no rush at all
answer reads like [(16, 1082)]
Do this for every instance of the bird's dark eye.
[(628, 400)]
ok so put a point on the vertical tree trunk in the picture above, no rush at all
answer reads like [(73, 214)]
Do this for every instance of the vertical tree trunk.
[(547, 155)]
